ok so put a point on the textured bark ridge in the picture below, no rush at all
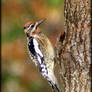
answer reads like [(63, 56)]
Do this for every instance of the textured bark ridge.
[(74, 53)]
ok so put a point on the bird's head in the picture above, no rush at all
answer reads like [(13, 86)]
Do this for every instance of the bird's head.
[(31, 27)]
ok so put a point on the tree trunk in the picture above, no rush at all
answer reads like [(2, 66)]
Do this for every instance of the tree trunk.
[(73, 49)]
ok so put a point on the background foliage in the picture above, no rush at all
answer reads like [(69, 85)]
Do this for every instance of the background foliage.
[(18, 73)]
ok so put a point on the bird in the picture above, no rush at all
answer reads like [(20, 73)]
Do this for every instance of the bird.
[(41, 52)]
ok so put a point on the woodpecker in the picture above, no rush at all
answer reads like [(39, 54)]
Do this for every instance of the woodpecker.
[(41, 52)]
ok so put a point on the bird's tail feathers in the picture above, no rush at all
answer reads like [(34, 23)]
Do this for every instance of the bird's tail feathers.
[(58, 89), (53, 82)]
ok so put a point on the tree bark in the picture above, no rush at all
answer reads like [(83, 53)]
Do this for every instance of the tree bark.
[(73, 48)]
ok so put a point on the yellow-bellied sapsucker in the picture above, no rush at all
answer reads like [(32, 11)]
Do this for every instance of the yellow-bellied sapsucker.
[(41, 52)]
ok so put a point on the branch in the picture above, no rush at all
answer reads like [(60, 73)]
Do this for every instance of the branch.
[(73, 49)]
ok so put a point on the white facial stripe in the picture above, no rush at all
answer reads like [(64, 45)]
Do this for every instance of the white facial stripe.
[(36, 47)]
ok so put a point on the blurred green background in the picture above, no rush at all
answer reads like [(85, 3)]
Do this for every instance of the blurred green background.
[(19, 74)]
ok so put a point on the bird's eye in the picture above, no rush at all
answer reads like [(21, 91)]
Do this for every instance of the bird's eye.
[(32, 25)]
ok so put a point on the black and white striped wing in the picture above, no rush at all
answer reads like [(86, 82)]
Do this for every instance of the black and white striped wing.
[(35, 51)]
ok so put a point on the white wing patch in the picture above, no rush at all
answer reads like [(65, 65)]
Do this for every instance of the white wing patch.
[(43, 68), (36, 46), (39, 59)]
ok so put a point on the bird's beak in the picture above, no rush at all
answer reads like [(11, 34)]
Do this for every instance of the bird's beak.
[(40, 21)]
